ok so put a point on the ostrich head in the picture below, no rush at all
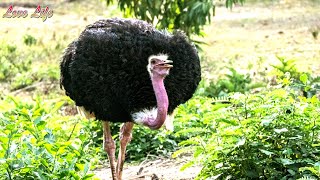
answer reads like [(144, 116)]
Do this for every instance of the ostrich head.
[(159, 65)]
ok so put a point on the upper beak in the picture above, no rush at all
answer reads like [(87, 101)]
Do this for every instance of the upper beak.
[(167, 63)]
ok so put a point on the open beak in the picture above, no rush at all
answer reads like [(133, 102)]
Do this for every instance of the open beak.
[(166, 63)]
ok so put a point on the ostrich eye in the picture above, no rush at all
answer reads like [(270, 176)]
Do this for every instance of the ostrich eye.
[(153, 61)]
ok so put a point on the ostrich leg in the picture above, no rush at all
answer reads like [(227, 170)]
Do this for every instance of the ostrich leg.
[(125, 138), (110, 148)]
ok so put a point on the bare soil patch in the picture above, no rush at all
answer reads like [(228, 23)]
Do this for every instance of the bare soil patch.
[(159, 169)]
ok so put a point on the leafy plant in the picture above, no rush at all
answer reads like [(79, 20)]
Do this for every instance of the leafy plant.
[(232, 82), (22, 80), (286, 72), (33, 147), (11, 62), (286, 66), (270, 135), (29, 40), (146, 142), (189, 16)]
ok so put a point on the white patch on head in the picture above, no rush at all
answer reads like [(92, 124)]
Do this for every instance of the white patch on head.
[(159, 56), (139, 116)]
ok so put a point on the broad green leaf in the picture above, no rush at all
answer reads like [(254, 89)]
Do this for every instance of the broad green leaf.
[(75, 175), (228, 121), (292, 172), (268, 153), (285, 81), (80, 166), (281, 130), (86, 168), (4, 140), (49, 148), (307, 88), (304, 78), (286, 161), (187, 165), (198, 151), (314, 99), (76, 152), (216, 176), (219, 165), (88, 177), (241, 142), (57, 106), (266, 122)]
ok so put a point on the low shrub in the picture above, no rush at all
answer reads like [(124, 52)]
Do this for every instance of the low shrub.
[(287, 74), (230, 82), (12, 62), (36, 144), (29, 40), (269, 135)]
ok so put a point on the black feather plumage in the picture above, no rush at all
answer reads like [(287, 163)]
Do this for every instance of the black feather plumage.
[(105, 69)]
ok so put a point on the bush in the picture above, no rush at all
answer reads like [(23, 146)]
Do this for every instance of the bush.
[(287, 74), (36, 144), (270, 135), (146, 142), (12, 62), (189, 16), (231, 82), (29, 40)]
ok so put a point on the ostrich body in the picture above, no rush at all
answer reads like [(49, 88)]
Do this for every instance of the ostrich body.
[(118, 70)]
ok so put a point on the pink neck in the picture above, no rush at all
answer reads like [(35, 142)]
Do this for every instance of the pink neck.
[(162, 103)]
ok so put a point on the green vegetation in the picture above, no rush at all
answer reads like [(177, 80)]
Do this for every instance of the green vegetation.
[(36, 143), (12, 62), (270, 135), (189, 16), (233, 82), (256, 114)]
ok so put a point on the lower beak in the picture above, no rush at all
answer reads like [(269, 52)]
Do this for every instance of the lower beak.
[(167, 63), (168, 66)]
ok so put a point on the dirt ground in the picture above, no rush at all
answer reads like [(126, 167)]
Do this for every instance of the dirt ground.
[(159, 169)]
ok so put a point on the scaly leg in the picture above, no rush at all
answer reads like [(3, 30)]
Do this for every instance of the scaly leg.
[(125, 138), (109, 147)]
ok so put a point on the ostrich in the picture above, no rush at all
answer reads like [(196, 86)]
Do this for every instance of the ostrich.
[(118, 71)]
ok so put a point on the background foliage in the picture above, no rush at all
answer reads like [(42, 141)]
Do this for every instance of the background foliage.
[(36, 144), (187, 15), (270, 135)]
